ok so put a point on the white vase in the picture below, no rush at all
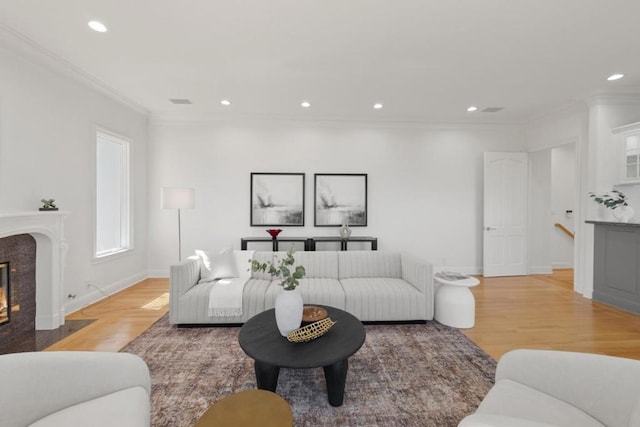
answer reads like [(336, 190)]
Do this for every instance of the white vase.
[(288, 311), (623, 213), (604, 213), (345, 231)]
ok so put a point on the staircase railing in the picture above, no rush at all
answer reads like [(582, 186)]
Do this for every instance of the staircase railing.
[(565, 230)]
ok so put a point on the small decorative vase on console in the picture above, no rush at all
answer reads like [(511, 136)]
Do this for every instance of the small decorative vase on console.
[(288, 310), (623, 213), (345, 231)]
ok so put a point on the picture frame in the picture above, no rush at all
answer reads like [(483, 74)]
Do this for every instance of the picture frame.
[(340, 198), (277, 199)]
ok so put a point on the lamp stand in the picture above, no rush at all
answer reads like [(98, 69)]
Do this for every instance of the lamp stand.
[(179, 239)]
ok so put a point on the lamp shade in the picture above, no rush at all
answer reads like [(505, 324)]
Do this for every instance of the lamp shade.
[(177, 198)]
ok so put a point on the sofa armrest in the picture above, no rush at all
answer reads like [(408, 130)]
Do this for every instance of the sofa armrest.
[(605, 387), (184, 276), (39, 384), (416, 271), (419, 274)]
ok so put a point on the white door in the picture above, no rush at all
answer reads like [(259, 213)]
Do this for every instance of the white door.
[(505, 214)]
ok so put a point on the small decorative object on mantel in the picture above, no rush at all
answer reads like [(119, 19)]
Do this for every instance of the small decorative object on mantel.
[(274, 232), (289, 304), (48, 205), (617, 203)]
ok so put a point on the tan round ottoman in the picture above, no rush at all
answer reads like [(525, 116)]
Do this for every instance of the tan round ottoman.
[(248, 408)]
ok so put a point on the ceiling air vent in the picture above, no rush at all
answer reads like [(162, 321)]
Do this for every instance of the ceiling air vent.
[(180, 101), (492, 109)]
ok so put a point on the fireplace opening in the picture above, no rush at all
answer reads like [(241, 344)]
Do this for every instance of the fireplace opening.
[(5, 294)]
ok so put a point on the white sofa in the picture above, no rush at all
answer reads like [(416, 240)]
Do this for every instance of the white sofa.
[(74, 389), (371, 285), (543, 388)]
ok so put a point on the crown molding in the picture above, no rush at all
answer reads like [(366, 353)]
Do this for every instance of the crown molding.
[(625, 96), (30, 49), (327, 121)]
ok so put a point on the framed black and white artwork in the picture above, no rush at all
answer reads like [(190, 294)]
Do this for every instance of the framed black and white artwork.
[(340, 198), (277, 199)]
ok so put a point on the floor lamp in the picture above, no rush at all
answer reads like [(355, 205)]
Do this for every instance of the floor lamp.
[(177, 198)]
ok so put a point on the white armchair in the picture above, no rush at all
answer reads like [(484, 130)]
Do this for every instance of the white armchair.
[(68, 388), (536, 388)]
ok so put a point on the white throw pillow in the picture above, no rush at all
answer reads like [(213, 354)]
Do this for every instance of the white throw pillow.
[(217, 266), (243, 265)]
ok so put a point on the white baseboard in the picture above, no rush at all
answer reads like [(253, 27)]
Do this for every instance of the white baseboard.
[(96, 295), (540, 269), (158, 274), (561, 265)]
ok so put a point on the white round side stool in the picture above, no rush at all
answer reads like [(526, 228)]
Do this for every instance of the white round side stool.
[(455, 304)]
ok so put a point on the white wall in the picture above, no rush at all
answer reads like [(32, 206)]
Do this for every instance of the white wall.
[(553, 187), (47, 140), (563, 195), (424, 184), (539, 258), (566, 126)]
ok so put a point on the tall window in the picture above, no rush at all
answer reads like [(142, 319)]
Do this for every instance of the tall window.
[(112, 195)]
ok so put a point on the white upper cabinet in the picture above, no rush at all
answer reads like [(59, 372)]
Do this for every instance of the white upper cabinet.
[(628, 142)]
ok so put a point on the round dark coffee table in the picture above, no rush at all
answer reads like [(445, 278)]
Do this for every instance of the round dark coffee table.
[(260, 339)]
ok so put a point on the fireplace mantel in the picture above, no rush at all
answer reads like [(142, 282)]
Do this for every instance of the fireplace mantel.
[(47, 228)]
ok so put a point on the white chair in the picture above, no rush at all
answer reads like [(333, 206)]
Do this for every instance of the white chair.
[(536, 388), (68, 388)]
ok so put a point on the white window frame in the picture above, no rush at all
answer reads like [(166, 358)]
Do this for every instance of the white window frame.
[(126, 227), (621, 134)]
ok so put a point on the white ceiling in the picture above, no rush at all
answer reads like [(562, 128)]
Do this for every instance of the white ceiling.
[(425, 60)]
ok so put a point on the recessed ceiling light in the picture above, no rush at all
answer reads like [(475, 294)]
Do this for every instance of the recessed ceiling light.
[(377, 106), (225, 102), (305, 104), (472, 108), (97, 26), (616, 76)]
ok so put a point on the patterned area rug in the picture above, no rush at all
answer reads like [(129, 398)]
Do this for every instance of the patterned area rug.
[(404, 375)]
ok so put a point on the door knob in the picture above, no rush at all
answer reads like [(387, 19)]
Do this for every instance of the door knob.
[(489, 228)]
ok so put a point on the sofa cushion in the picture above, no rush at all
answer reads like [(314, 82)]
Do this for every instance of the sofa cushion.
[(369, 264), (261, 257), (194, 304), (314, 291), (374, 298), (318, 264), (125, 408), (512, 399), (492, 420), (243, 266)]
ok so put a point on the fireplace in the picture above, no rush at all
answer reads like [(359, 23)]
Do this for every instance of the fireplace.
[(37, 262), (5, 294)]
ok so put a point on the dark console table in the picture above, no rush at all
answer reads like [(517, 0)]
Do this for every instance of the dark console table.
[(344, 241), (310, 242), (274, 242), (616, 278), (260, 339)]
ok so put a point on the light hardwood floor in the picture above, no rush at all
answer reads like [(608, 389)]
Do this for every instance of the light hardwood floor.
[(512, 312), (543, 312), (119, 318)]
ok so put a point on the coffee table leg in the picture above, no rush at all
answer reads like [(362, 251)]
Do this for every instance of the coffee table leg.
[(267, 376), (336, 375)]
